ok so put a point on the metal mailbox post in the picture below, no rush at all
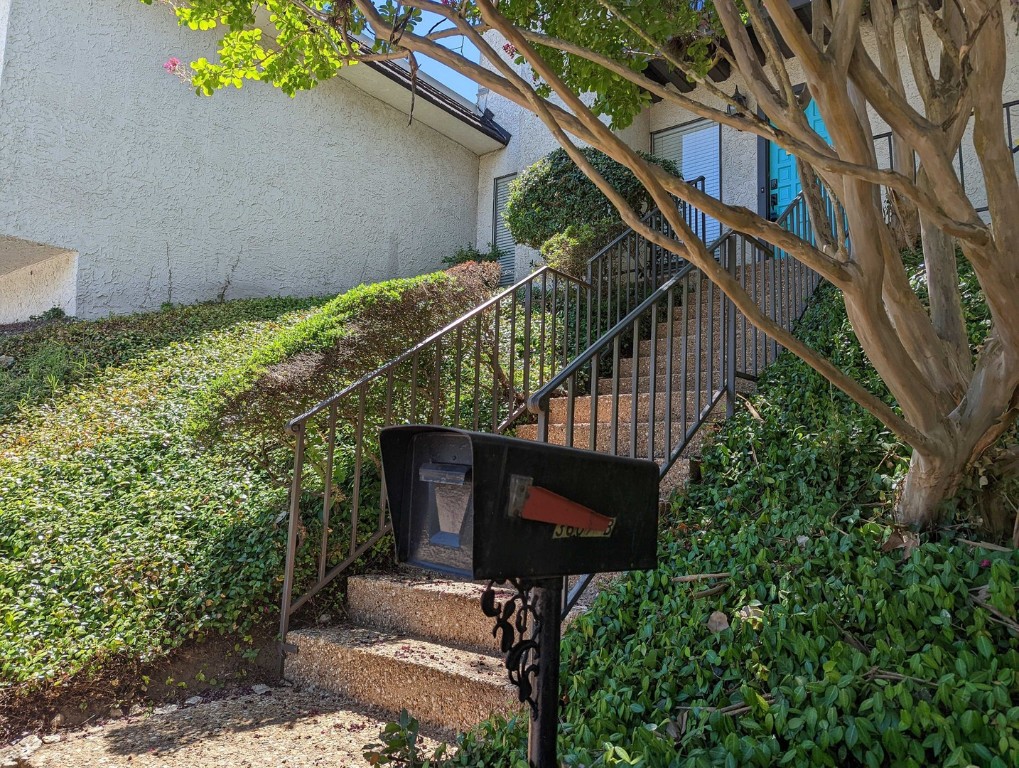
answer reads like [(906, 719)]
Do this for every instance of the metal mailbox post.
[(483, 506)]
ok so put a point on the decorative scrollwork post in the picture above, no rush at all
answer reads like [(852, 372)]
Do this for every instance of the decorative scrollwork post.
[(529, 625)]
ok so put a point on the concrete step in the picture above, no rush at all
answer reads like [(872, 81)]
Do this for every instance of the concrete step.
[(680, 343), (558, 406), (431, 607), (644, 382), (442, 686), (690, 326), (557, 435), (644, 364)]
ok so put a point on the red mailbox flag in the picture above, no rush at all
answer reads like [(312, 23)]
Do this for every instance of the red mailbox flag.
[(546, 507)]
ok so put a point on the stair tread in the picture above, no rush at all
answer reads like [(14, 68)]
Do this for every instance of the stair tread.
[(433, 607), (405, 648), (443, 686), (427, 583)]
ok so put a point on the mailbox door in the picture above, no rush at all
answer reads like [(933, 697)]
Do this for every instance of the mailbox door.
[(508, 545)]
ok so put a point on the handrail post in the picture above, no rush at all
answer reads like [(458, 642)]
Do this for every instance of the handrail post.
[(292, 531), (730, 332)]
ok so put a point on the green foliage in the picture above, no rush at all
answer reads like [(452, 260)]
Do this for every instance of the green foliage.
[(120, 536), (350, 336), (569, 250), (850, 643), (399, 746), (62, 353), (296, 51), (554, 194), (469, 253)]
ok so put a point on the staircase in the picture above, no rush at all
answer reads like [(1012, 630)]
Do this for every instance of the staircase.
[(637, 414), (411, 640), (636, 360)]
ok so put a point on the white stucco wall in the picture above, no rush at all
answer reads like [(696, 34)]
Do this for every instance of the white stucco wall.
[(530, 141), (170, 197)]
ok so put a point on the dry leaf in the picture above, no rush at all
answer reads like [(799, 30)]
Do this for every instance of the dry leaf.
[(903, 539), (717, 622)]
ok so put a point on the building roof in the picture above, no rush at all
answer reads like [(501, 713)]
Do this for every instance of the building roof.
[(434, 104), (663, 73)]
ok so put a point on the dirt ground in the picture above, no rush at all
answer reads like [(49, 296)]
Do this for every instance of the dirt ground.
[(277, 726)]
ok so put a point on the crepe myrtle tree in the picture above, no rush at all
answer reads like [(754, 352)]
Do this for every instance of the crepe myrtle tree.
[(954, 407)]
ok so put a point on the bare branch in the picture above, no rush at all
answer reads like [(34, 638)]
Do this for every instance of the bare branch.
[(917, 50), (915, 129), (667, 55), (772, 50), (845, 33), (795, 36), (696, 250), (766, 93)]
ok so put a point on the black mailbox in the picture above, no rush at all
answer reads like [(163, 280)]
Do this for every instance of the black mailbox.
[(485, 506)]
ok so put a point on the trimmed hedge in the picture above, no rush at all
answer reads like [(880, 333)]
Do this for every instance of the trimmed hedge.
[(349, 337), (849, 642), (554, 194)]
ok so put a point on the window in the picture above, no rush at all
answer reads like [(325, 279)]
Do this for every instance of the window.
[(694, 148), (500, 232)]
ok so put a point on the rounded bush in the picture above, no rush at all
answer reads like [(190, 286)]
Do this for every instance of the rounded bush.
[(554, 194)]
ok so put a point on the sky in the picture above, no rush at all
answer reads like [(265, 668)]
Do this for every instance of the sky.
[(453, 80)]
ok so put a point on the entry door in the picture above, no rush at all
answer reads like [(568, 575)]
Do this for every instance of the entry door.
[(783, 181)]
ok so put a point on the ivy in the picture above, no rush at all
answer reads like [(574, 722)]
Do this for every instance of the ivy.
[(849, 643)]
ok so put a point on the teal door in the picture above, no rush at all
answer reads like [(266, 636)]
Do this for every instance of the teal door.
[(783, 181)]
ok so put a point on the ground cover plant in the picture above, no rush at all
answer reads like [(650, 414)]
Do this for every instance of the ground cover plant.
[(830, 638), (61, 352), (119, 535), (124, 531)]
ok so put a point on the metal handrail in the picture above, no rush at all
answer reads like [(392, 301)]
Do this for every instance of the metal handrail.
[(494, 355), (409, 353), (538, 401), (697, 183), (779, 283), (555, 310)]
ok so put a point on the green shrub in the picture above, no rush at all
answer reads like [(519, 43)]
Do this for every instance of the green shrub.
[(569, 250), (554, 194), (349, 337), (470, 253)]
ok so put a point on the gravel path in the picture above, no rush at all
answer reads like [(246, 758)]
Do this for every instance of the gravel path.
[(282, 726)]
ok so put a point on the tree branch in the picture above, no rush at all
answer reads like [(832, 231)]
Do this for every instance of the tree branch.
[(696, 250)]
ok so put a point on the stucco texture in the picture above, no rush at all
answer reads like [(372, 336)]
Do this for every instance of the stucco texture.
[(167, 196), (39, 286)]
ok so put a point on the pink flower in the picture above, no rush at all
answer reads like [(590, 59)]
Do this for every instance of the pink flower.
[(172, 64), (985, 563), (510, 49)]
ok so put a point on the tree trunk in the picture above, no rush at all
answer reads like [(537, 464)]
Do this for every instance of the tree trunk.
[(928, 483), (945, 300)]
